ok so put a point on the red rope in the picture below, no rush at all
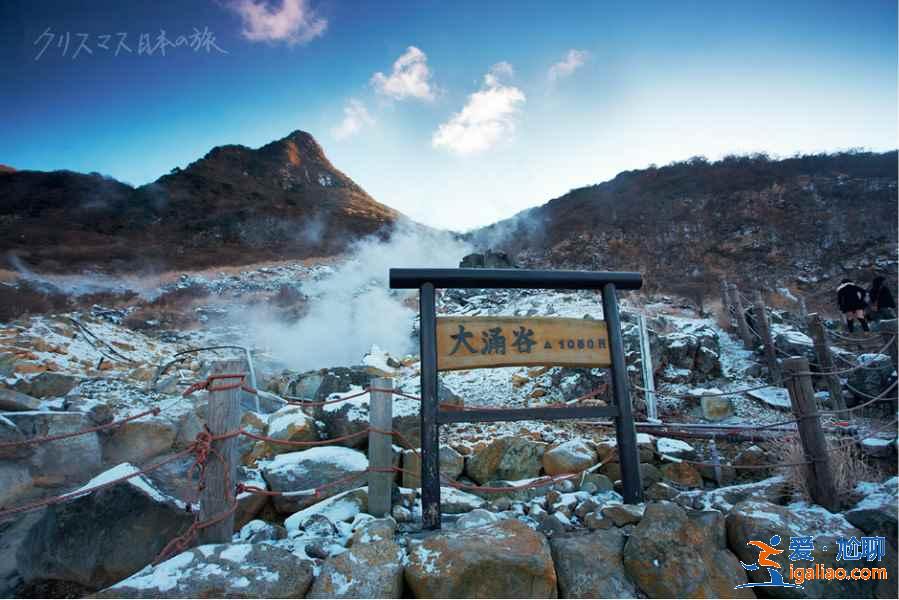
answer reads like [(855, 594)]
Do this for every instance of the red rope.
[(207, 384)]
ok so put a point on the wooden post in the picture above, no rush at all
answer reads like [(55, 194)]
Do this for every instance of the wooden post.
[(825, 361), (764, 330), (628, 453), (430, 432), (888, 332), (726, 301), (740, 314), (716, 460), (217, 497), (652, 413), (380, 455), (803, 311), (814, 445)]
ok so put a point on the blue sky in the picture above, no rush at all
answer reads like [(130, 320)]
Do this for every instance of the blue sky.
[(481, 109)]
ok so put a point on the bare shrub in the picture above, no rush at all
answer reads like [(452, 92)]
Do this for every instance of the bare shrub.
[(847, 464)]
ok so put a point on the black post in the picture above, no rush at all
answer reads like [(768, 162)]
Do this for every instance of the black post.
[(430, 435), (628, 456)]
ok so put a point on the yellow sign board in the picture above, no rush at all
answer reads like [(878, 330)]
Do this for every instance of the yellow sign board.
[(477, 342)]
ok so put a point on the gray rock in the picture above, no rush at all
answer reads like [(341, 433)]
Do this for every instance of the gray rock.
[(509, 458), (623, 514), (70, 460), (47, 385), (12, 400), (871, 380), (258, 531), (220, 571), (310, 469), (875, 514), (590, 565), (371, 568), (140, 440), (716, 408), (13, 533), (104, 536), (477, 518), (451, 465)]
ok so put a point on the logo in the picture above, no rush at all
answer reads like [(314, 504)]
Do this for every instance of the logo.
[(802, 548)]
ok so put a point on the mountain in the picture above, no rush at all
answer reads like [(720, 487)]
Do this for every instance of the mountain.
[(234, 206), (802, 223)]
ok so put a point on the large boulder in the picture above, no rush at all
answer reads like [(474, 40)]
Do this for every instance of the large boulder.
[(139, 440), (289, 424), (351, 417), (755, 520), (105, 535), (11, 400), (328, 469), (506, 559), (69, 460), (47, 385), (870, 380), (670, 555), (572, 456), (13, 533), (875, 513), (340, 508), (589, 565), (220, 571), (451, 465), (371, 568), (509, 458)]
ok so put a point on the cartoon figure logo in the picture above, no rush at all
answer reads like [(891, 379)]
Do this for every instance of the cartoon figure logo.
[(775, 579)]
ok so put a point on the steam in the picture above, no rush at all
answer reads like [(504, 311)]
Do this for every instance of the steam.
[(354, 308), (87, 283)]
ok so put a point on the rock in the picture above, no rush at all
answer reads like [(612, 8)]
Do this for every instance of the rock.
[(510, 458), (871, 380), (599, 481), (594, 521), (11, 400), (477, 518), (15, 482), (572, 456), (660, 491), (310, 469), (753, 456), (290, 424), (590, 565), (682, 474), (502, 560), (756, 520), (104, 536), (451, 465), (9, 433), (649, 474), (778, 398), (220, 571), (554, 524), (351, 416), (773, 489), (675, 448), (249, 505), (716, 408), (623, 514), (258, 531), (7, 364), (70, 460), (666, 545), (877, 447), (453, 501), (342, 507), (371, 568), (586, 506), (875, 513), (139, 440), (47, 385)]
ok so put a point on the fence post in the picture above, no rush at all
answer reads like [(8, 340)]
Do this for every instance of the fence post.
[(725, 300), (380, 455), (430, 429), (825, 361), (803, 310), (888, 332), (217, 496), (740, 313), (764, 330), (649, 383), (802, 398)]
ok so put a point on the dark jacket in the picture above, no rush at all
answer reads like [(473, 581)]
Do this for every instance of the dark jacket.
[(851, 297), (881, 298)]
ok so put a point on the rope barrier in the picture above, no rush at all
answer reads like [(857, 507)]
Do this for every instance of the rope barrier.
[(116, 355), (62, 436)]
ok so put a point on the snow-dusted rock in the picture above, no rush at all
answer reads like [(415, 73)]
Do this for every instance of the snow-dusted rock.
[(453, 501), (572, 456), (666, 542), (307, 470), (139, 440), (875, 513), (103, 536), (11, 400), (589, 565), (506, 458), (341, 507), (69, 460), (675, 448), (220, 571), (477, 518), (873, 379), (775, 397), (451, 465), (290, 424), (502, 560)]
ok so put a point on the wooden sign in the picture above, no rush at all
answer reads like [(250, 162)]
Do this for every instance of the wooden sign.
[(477, 342)]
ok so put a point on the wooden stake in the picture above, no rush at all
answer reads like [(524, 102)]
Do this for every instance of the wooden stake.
[(764, 331), (380, 455), (217, 497), (726, 301), (825, 361), (802, 398), (740, 314)]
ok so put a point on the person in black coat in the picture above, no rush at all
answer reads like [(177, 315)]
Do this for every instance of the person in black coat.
[(851, 299), (881, 304)]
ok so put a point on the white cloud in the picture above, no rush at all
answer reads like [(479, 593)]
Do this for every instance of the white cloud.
[(355, 117), (573, 60), (293, 22), (487, 117), (410, 77)]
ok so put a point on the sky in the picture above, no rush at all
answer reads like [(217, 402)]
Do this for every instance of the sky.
[(456, 113)]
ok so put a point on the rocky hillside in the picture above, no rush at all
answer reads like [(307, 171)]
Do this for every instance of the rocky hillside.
[(802, 223), (233, 206)]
